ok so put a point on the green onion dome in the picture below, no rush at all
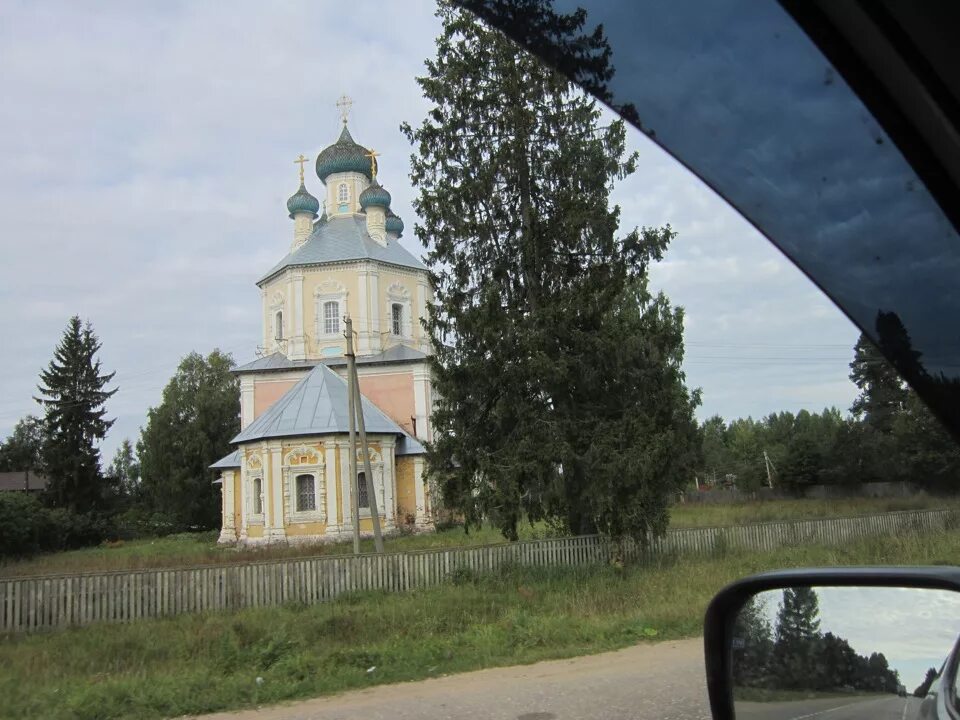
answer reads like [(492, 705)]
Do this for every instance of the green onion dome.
[(302, 202), (394, 223), (374, 195), (343, 156)]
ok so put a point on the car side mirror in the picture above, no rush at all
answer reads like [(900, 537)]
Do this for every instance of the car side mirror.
[(851, 642)]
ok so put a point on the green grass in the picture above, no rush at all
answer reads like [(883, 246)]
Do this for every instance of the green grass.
[(704, 515), (750, 694), (201, 548), (203, 663)]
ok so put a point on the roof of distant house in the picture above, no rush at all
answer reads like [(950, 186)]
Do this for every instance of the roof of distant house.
[(22, 480)]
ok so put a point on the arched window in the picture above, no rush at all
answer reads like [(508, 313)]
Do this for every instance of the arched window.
[(343, 193), (258, 496), (363, 499), (396, 319), (331, 317), (278, 325), (306, 493)]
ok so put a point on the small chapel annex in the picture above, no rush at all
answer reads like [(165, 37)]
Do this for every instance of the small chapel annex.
[(288, 479)]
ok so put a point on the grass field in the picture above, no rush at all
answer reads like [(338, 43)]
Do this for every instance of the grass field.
[(195, 664), (201, 548)]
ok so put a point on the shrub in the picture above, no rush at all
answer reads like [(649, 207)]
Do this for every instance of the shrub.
[(23, 522)]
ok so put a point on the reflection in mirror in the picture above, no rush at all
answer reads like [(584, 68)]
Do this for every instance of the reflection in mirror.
[(852, 652)]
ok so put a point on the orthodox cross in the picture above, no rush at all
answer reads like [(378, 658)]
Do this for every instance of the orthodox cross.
[(300, 161), (373, 155), (343, 105)]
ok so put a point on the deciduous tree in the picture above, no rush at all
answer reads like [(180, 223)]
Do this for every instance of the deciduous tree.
[(190, 430)]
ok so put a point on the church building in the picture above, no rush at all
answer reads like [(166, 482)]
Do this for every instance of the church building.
[(288, 479)]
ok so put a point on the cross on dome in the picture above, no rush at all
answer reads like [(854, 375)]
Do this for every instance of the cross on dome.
[(343, 105)]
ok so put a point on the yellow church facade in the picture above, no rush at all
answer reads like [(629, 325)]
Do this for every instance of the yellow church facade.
[(289, 478)]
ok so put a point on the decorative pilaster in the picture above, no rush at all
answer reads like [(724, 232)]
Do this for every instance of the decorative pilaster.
[(228, 531)]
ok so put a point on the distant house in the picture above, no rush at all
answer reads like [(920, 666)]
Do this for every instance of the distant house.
[(23, 480)]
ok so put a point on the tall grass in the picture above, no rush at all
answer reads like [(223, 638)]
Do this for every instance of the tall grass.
[(202, 663)]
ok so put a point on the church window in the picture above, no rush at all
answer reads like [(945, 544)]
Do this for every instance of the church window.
[(396, 318), (343, 193), (363, 498), (278, 325), (258, 496), (306, 493), (331, 317)]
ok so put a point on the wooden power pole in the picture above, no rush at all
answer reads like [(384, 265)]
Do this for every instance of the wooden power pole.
[(354, 500), (356, 409)]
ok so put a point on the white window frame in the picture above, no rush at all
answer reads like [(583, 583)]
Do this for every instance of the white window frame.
[(304, 460), (328, 291), (396, 324), (328, 318), (398, 294), (343, 193), (278, 325), (296, 488), (257, 496), (379, 487), (254, 471)]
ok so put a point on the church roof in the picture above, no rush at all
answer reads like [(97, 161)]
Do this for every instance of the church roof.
[(317, 405), (344, 238), (228, 461), (278, 361)]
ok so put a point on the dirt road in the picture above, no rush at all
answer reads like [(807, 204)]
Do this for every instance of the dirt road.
[(655, 681)]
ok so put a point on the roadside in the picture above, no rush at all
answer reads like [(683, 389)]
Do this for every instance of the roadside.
[(655, 681), (193, 664)]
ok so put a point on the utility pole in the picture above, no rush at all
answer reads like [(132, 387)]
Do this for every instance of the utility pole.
[(353, 385), (768, 463), (354, 504)]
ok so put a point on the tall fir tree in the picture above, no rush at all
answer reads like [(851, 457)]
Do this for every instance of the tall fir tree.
[(557, 370), (124, 470), (882, 393), (797, 638), (190, 430), (73, 394)]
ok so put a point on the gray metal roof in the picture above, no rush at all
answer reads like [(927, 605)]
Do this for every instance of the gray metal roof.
[(316, 405), (408, 445), (278, 361), (344, 238), (232, 460), (22, 480)]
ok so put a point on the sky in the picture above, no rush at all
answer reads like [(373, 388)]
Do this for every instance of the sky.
[(914, 628), (148, 153)]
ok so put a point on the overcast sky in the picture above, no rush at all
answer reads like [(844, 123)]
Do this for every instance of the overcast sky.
[(914, 628), (148, 153)]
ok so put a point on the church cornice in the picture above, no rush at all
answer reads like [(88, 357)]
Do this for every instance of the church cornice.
[(344, 264)]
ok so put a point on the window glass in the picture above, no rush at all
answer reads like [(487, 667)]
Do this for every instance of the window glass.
[(362, 495), (343, 193), (258, 496), (331, 317), (397, 319), (306, 494), (278, 326)]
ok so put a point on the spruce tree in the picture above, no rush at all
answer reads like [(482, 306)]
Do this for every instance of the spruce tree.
[(559, 393), (882, 393), (73, 394)]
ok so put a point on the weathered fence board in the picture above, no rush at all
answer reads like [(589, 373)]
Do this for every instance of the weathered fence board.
[(46, 602)]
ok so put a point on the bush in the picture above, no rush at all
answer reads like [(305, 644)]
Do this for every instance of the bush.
[(23, 523), (28, 527), (138, 522)]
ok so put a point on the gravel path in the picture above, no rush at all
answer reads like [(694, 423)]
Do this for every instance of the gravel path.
[(655, 681)]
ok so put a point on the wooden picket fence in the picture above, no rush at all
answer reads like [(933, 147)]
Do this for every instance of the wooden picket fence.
[(56, 601)]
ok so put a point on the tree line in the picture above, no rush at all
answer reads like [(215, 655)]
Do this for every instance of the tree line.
[(162, 484), (889, 435), (793, 654)]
